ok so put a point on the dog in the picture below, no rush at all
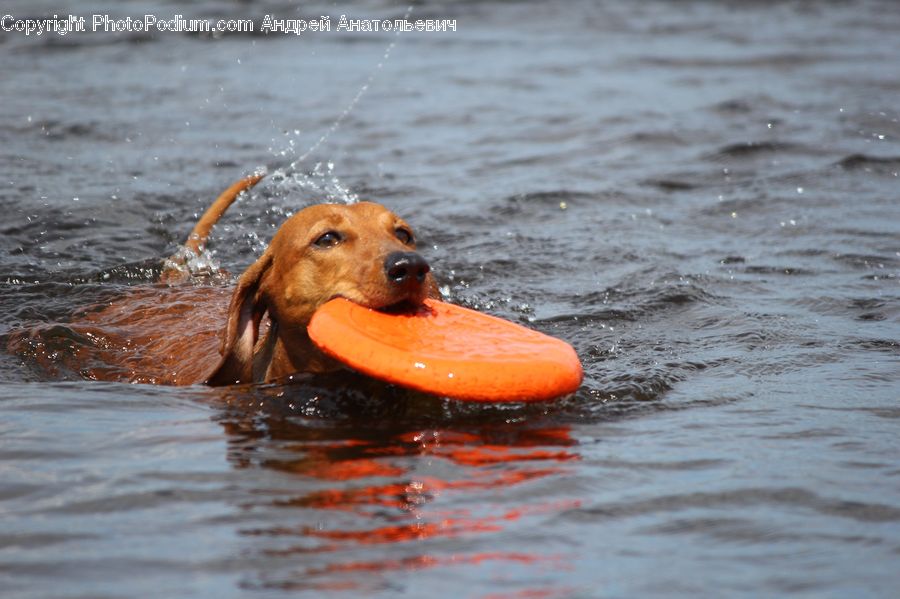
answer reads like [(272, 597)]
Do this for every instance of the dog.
[(166, 334)]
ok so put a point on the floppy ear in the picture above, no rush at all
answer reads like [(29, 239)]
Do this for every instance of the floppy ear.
[(242, 331)]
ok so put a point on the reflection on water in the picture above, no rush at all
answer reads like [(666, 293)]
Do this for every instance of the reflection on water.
[(404, 490), (701, 197)]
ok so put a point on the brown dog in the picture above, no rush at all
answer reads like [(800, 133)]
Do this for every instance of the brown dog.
[(166, 334)]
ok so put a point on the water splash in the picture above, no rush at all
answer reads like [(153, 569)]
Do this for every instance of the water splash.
[(184, 264), (321, 182), (260, 211), (352, 105)]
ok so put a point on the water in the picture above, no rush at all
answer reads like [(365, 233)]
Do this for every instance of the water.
[(701, 197)]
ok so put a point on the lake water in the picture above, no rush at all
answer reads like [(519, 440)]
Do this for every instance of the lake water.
[(702, 197)]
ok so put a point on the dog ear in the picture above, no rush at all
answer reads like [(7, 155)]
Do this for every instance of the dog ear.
[(245, 312)]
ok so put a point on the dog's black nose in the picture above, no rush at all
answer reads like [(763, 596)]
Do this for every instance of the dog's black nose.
[(405, 268)]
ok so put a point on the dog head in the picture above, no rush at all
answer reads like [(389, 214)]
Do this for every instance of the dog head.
[(362, 252)]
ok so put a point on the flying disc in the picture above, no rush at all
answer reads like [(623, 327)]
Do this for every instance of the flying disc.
[(447, 350)]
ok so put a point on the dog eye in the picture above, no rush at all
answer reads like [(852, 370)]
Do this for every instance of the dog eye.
[(404, 235), (328, 239)]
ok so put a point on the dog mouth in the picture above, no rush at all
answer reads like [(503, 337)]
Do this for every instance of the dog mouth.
[(405, 306)]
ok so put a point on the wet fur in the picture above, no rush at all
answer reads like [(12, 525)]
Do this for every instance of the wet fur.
[(168, 334)]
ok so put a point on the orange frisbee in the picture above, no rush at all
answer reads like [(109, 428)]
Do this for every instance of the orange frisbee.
[(448, 350)]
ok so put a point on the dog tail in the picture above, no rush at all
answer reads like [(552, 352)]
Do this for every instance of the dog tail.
[(197, 239)]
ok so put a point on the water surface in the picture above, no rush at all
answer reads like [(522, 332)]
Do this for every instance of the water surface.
[(702, 197)]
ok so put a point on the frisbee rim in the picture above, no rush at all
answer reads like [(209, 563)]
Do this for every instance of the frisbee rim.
[(335, 329)]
